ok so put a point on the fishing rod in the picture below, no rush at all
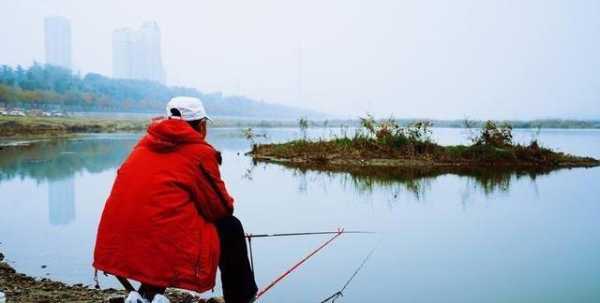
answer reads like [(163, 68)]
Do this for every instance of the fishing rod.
[(336, 234), (285, 274), (252, 236), (306, 234)]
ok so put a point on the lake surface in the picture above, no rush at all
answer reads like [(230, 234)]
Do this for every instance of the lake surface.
[(488, 238)]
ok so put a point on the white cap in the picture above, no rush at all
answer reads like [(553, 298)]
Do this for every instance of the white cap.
[(191, 108)]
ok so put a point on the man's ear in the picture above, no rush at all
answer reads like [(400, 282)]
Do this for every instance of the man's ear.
[(175, 112), (202, 129)]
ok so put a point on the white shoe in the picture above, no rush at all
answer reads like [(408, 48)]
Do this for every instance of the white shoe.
[(135, 297), (158, 298)]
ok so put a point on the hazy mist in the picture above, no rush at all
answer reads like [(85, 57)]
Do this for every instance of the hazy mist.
[(435, 59)]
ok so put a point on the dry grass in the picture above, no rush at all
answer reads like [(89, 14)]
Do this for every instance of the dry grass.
[(16, 126)]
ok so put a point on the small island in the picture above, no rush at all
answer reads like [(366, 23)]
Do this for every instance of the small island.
[(380, 146)]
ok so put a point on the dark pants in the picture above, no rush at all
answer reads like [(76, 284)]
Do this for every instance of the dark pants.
[(237, 277)]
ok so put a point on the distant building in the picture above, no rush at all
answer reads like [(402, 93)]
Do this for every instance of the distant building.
[(122, 43), (137, 54), (57, 32)]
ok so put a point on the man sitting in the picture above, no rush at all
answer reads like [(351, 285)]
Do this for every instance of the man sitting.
[(168, 221)]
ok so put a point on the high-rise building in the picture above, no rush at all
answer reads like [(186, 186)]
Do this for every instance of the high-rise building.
[(137, 54), (122, 53), (58, 41)]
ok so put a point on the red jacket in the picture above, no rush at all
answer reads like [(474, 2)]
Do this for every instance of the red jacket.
[(157, 224)]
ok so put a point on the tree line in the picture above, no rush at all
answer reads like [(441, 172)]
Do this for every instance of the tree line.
[(53, 87)]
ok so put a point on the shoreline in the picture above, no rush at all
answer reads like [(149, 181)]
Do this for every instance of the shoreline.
[(30, 126), (19, 287), (336, 164), (48, 127), (410, 169)]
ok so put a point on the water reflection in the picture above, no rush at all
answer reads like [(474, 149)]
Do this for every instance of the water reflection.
[(58, 161), (62, 158), (415, 181), (61, 201)]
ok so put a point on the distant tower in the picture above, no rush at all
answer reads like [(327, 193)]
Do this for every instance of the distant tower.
[(152, 66), (57, 32), (137, 54), (122, 53)]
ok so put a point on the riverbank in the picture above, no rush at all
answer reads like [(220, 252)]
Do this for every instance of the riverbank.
[(42, 127), (19, 287), (61, 126), (35, 126)]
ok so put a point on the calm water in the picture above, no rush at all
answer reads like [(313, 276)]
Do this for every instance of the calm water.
[(487, 238)]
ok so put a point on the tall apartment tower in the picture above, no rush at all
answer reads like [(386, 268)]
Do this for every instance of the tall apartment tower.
[(57, 32), (137, 54), (122, 58)]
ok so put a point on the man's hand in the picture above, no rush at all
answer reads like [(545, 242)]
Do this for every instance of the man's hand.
[(219, 158)]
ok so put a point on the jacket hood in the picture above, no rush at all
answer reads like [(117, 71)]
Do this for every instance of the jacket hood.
[(168, 134)]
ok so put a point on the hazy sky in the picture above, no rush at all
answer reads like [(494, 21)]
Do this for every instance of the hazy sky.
[(437, 59)]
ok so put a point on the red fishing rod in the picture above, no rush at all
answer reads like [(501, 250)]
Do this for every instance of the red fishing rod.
[(338, 233)]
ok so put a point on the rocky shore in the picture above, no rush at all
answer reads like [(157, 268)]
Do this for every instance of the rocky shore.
[(19, 287)]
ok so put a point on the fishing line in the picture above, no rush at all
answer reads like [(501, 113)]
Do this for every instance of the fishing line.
[(340, 293)]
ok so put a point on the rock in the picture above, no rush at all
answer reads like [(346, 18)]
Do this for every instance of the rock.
[(216, 300), (118, 299), (1, 257)]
